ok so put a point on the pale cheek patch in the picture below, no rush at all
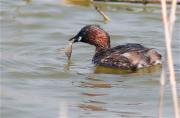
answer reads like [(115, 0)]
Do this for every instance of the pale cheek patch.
[(79, 38)]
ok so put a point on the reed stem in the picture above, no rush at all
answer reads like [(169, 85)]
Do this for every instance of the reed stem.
[(162, 85), (168, 28), (106, 18)]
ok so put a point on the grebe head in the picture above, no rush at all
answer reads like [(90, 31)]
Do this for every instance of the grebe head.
[(94, 35)]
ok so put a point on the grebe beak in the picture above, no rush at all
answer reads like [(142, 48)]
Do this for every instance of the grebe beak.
[(72, 39), (75, 39)]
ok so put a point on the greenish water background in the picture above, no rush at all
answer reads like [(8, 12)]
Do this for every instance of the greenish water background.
[(37, 82)]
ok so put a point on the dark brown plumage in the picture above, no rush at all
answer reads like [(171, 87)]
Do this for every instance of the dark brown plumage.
[(130, 56)]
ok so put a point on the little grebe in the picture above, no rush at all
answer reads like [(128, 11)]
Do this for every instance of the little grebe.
[(130, 56)]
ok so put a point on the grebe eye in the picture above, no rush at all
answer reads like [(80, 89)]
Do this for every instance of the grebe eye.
[(79, 38)]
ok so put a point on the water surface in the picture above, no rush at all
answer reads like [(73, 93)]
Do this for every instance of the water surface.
[(37, 81)]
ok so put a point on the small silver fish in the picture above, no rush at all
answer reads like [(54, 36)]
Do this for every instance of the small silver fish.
[(68, 49)]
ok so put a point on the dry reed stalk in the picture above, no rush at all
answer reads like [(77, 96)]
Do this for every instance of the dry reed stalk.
[(168, 28), (162, 84), (63, 107), (106, 18)]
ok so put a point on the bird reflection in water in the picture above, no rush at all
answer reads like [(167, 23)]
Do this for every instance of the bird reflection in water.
[(143, 71), (91, 103)]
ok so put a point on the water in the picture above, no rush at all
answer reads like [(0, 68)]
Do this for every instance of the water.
[(37, 81)]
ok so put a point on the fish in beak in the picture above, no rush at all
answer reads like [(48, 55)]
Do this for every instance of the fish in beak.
[(68, 48)]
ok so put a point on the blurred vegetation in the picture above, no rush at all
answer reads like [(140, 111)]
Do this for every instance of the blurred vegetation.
[(78, 2), (87, 2)]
